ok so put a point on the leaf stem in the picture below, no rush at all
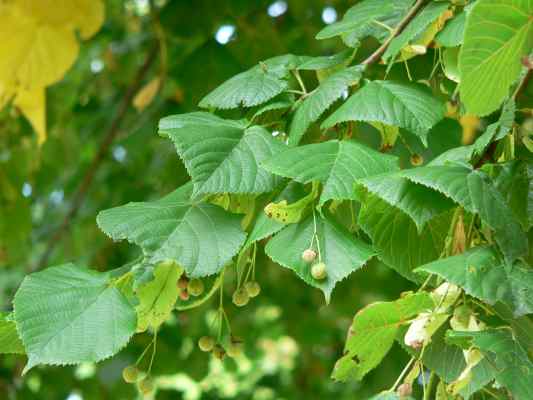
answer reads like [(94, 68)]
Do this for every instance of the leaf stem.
[(402, 374), (376, 55), (300, 81)]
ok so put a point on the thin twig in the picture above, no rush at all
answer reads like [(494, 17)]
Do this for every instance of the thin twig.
[(376, 55), (103, 150)]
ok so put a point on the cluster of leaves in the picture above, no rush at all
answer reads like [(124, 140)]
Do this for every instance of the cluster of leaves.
[(297, 184)]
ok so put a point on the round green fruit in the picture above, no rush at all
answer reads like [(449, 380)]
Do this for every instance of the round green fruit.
[(130, 374), (309, 255), (195, 287), (252, 288), (318, 271), (146, 386), (206, 343), (240, 297)]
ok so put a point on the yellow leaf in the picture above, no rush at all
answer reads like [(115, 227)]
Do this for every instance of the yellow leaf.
[(32, 104), (85, 15), (38, 54), (146, 94), (90, 17)]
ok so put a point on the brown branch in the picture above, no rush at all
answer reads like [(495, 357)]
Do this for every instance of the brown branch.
[(103, 149), (376, 55)]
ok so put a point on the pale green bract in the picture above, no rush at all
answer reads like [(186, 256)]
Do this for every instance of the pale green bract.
[(342, 253), (483, 274), (497, 34), (202, 238), (376, 323), (158, 297), (422, 20), (336, 164), (68, 315), (406, 105), (10, 342), (509, 360), (222, 156)]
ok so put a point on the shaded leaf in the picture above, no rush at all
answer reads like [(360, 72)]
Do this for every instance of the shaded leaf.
[(415, 200), (494, 211), (396, 239)]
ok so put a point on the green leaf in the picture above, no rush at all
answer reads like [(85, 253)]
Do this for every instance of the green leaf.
[(452, 33), (494, 211), (341, 252), (417, 201), (157, 297), (201, 238), (324, 62), (222, 156), (509, 361), (283, 101), (396, 239), (367, 18), (78, 316), (376, 323), (497, 34), (450, 180), (336, 164), (321, 99), (482, 274), (10, 342), (254, 86), (422, 20), (406, 105)]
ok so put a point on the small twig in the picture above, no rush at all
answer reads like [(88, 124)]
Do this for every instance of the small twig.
[(376, 55)]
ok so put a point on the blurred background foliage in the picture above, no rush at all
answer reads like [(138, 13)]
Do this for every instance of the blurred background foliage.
[(291, 338)]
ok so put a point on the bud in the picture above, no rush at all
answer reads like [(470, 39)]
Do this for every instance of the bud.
[(405, 390), (417, 160), (318, 271)]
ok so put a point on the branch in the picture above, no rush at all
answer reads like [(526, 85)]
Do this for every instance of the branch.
[(376, 55), (103, 149)]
